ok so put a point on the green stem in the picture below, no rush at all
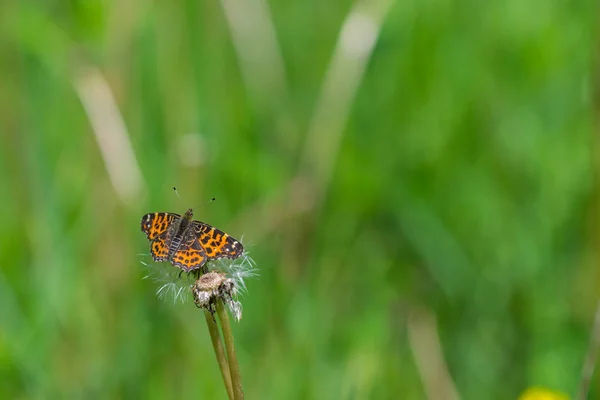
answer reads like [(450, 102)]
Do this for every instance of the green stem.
[(590, 359), (213, 329), (234, 367)]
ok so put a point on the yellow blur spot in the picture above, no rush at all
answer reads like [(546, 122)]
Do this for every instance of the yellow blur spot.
[(535, 393)]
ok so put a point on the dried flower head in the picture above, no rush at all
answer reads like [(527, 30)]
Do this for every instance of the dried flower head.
[(213, 287), (225, 279), (207, 288), (217, 286)]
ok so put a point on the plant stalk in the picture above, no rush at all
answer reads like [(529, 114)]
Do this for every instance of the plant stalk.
[(590, 359), (234, 367), (213, 329)]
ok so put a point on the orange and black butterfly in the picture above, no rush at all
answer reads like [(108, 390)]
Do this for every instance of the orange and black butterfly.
[(186, 243)]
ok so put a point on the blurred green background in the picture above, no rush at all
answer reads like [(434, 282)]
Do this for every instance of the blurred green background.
[(414, 179)]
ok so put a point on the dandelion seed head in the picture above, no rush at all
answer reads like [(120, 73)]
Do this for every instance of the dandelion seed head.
[(238, 270), (235, 307), (171, 285), (224, 280)]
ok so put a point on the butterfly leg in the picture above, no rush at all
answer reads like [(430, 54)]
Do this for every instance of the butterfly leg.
[(212, 309), (197, 273)]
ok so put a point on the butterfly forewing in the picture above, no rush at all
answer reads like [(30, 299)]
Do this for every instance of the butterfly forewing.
[(153, 224), (216, 243)]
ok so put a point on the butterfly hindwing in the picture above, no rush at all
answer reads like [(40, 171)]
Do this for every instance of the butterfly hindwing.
[(190, 254), (159, 248)]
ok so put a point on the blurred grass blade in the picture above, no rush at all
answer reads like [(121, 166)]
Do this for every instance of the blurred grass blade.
[(425, 344), (256, 44), (355, 44), (590, 359), (111, 134)]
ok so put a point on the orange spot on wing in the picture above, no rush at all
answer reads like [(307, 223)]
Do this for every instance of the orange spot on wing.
[(159, 249), (189, 259), (154, 224), (218, 244)]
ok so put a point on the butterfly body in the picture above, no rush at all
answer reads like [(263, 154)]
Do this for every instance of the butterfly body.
[(186, 243), (179, 230)]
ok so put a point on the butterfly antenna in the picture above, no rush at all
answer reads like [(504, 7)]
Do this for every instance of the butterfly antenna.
[(208, 202), (176, 192)]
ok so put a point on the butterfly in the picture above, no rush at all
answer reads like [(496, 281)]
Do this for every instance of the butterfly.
[(186, 243)]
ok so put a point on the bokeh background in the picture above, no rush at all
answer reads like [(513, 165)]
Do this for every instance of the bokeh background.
[(414, 179)]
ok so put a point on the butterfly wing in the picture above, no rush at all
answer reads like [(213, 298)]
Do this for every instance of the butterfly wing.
[(160, 247), (190, 255), (155, 224), (216, 243)]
